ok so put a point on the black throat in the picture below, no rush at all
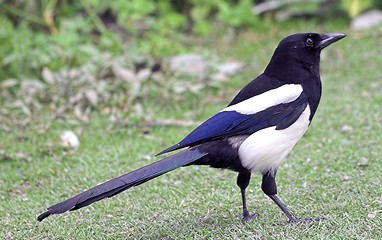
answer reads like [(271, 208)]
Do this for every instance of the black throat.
[(291, 70)]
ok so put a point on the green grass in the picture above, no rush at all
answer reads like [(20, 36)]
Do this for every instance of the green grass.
[(321, 177)]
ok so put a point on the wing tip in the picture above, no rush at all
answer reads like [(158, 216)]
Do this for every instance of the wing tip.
[(170, 149)]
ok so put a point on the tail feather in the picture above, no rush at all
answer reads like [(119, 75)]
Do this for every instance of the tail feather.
[(126, 181)]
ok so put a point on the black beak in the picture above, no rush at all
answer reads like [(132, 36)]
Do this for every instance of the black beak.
[(329, 38)]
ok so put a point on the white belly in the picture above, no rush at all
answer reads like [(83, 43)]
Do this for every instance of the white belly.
[(265, 149)]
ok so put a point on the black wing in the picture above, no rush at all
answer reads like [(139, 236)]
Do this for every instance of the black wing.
[(230, 123)]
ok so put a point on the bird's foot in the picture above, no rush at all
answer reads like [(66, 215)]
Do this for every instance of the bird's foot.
[(246, 217), (300, 221)]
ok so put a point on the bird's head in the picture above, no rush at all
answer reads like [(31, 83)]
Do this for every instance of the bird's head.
[(306, 45), (301, 49)]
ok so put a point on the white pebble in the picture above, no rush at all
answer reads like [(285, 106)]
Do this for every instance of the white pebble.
[(70, 139)]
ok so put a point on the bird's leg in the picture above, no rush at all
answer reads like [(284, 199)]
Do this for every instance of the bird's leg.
[(242, 181), (270, 189), (290, 215)]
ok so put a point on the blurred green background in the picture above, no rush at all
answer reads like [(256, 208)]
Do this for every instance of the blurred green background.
[(47, 45), (65, 34)]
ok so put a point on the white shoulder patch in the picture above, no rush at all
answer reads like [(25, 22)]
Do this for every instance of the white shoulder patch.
[(284, 94)]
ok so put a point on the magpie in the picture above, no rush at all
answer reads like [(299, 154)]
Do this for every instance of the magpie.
[(253, 134)]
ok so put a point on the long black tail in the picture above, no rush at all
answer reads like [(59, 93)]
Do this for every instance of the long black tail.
[(119, 184)]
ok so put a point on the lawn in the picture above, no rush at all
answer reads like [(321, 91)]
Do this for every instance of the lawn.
[(333, 173)]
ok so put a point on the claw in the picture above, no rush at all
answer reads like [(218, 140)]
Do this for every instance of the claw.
[(248, 217)]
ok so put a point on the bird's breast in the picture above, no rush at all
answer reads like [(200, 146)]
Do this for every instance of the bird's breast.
[(265, 149)]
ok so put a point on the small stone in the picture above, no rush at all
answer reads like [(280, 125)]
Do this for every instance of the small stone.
[(219, 77), (374, 214), (31, 87), (48, 75), (123, 73), (363, 162), (178, 182), (154, 217), (70, 139), (367, 20), (190, 64), (347, 128), (92, 97), (229, 68), (9, 83), (144, 74), (346, 178)]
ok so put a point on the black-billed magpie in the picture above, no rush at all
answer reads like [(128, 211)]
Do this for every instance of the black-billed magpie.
[(253, 134)]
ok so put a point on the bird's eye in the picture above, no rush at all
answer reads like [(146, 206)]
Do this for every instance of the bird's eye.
[(309, 42)]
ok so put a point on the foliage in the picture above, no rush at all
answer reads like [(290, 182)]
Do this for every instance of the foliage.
[(355, 7), (65, 33), (55, 34), (28, 51), (64, 55)]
